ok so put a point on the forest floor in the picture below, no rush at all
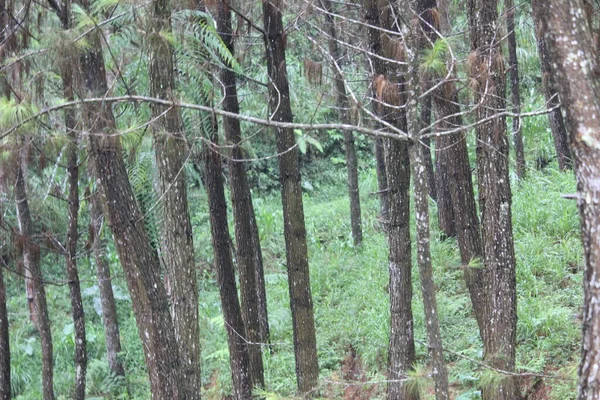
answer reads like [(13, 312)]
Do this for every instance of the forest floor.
[(349, 287)]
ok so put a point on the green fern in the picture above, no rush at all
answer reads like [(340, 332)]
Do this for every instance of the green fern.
[(83, 19), (101, 6), (140, 168), (201, 36)]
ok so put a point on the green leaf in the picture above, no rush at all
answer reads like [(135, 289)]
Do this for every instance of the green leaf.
[(311, 140), (83, 19), (100, 6), (302, 146)]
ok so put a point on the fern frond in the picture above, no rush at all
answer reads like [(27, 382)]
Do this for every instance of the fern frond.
[(82, 18), (100, 6), (201, 35)]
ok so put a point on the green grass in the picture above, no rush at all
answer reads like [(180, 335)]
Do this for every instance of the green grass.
[(350, 300)]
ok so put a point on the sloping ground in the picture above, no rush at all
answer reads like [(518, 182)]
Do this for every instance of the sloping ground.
[(349, 287)]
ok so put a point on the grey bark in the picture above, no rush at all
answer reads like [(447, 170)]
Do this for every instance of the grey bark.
[(371, 16), (305, 343), (401, 350), (570, 47), (343, 106), (5, 378), (426, 114), (71, 254), (73, 213), (238, 348), (421, 195), (487, 72), (468, 234), (246, 238), (139, 260), (34, 278), (178, 245), (401, 353), (513, 68), (107, 297), (555, 116)]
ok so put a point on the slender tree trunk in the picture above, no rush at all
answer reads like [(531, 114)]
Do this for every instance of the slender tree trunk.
[(243, 210), (461, 193), (234, 324), (353, 190), (31, 262), (426, 107), (446, 219), (487, 70), (463, 200), (305, 343), (401, 353), (555, 116), (574, 61), (107, 298), (434, 339), (5, 382), (372, 14), (440, 181), (139, 261), (5, 385), (71, 254), (421, 195), (443, 157), (513, 67), (344, 115), (263, 315), (171, 151), (73, 211), (383, 190)]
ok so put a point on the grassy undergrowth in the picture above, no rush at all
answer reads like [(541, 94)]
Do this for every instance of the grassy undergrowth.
[(349, 287)]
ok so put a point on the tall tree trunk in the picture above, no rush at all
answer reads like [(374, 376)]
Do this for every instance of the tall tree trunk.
[(107, 297), (305, 343), (72, 236), (238, 348), (5, 385), (420, 189), (443, 161), (383, 190), (243, 211), (5, 382), (513, 67), (171, 151), (31, 263), (426, 107), (574, 60), (401, 351), (434, 339), (446, 218), (139, 260), (461, 193), (263, 315), (555, 116), (344, 115), (73, 211), (487, 71), (372, 14)]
